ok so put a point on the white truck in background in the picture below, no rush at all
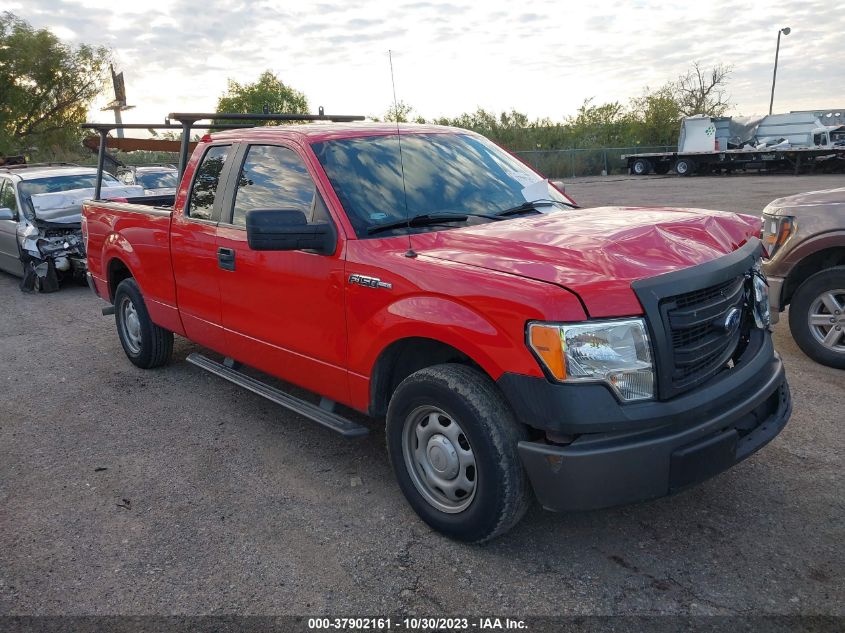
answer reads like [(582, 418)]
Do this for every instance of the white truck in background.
[(797, 141)]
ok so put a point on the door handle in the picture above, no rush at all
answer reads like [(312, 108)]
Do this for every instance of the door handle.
[(226, 258)]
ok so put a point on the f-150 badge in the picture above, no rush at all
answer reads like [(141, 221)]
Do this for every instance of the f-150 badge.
[(369, 282)]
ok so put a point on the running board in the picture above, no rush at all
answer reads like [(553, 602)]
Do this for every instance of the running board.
[(317, 414)]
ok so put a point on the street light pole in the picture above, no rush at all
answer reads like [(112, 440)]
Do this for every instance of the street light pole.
[(786, 31)]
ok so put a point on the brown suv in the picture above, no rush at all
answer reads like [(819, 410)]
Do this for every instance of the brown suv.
[(805, 237)]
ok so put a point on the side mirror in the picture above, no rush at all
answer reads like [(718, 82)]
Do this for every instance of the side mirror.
[(288, 230), (7, 214)]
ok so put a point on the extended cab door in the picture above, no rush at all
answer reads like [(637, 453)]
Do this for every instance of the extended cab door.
[(193, 247), (9, 253), (283, 310)]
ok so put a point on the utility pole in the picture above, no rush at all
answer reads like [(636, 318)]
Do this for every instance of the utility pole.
[(786, 31)]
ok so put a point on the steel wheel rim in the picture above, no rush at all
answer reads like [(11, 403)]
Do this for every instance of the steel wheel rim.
[(826, 319), (130, 325), (439, 459), (682, 167)]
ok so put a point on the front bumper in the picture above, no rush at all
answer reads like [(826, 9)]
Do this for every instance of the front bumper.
[(775, 293), (693, 443)]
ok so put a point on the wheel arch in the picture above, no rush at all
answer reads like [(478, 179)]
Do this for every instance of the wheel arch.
[(116, 271), (405, 356), (808, 266)]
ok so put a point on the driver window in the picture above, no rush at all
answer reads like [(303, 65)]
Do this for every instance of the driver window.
[(274, 177)]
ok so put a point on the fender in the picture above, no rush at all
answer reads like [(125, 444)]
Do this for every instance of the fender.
[(152, 273), (451, 322), (494, 347), (820, 242)]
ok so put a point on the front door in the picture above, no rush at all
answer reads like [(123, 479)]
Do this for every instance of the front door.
[(10, 260), (282, 310)]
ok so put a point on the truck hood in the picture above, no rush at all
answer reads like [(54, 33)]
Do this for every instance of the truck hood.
[(596, 253), (824, 198)]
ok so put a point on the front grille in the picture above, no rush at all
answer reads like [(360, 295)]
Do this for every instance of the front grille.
[(703, 338)]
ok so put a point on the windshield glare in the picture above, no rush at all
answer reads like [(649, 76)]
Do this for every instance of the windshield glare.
[(54, 184), (444, 173), (156, 179)]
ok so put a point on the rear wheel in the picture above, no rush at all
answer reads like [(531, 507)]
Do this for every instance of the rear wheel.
[(817, 317), (641, 167), (452, 441), (684, 167), (146, 344)]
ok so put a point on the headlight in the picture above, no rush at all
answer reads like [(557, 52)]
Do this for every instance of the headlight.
[(760, 298), (615, 352), (777, 229)]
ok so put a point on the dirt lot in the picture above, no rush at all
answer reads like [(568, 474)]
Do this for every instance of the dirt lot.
[(172, 492)]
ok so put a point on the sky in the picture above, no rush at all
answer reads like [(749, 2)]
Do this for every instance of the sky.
[(541, 58)]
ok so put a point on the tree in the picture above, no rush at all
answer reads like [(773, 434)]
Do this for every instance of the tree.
[(658, 116), (402, 113), (269, 91), (605, 125), (701, 91), (46, 87)]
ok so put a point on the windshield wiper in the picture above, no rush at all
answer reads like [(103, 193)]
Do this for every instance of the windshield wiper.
[(425, 219), (532, 205)]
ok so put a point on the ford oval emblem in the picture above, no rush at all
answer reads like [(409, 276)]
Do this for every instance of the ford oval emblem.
[(732, 319)]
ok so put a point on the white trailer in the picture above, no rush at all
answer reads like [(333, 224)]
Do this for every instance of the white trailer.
[(797, 141)]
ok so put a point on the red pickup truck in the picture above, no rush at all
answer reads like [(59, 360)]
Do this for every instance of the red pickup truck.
[(422, 275)]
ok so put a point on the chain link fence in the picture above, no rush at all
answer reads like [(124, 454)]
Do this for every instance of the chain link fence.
[(599, 161)]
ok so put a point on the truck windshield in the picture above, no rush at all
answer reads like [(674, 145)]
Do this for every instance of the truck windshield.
[(444, 174)]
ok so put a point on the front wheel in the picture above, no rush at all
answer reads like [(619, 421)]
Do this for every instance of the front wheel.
[(146, 344), (817, 317), (452, 440)]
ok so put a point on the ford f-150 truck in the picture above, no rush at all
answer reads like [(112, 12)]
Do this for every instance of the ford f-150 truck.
[(422, 275)]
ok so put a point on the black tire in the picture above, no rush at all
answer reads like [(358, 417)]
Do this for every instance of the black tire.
[(146, 344), (685, 167), (805, 301), (501, 494), (641, 167)]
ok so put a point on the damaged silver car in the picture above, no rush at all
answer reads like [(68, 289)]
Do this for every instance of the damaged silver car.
[(40, 221)]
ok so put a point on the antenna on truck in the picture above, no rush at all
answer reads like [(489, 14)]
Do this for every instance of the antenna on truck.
[(410, 252)]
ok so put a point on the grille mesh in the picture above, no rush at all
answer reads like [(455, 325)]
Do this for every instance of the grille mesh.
[(703, 338)]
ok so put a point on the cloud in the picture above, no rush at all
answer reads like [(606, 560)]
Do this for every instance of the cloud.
[(453, 56)]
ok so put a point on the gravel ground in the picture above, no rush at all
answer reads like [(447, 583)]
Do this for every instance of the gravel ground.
[(125, 491)]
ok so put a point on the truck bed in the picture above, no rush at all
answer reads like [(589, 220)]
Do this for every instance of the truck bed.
[(137, 233)]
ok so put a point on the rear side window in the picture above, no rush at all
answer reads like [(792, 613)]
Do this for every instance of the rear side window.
[(275, 177), (7, 196), (204, 189)]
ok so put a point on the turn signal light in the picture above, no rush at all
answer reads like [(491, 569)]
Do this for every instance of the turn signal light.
[(546, 342)]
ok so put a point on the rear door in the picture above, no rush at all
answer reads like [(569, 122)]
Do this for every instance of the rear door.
[(9, 253), (282, 310), (193, 248)]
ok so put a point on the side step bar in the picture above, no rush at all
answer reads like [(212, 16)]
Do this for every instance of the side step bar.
[(317, 414)]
